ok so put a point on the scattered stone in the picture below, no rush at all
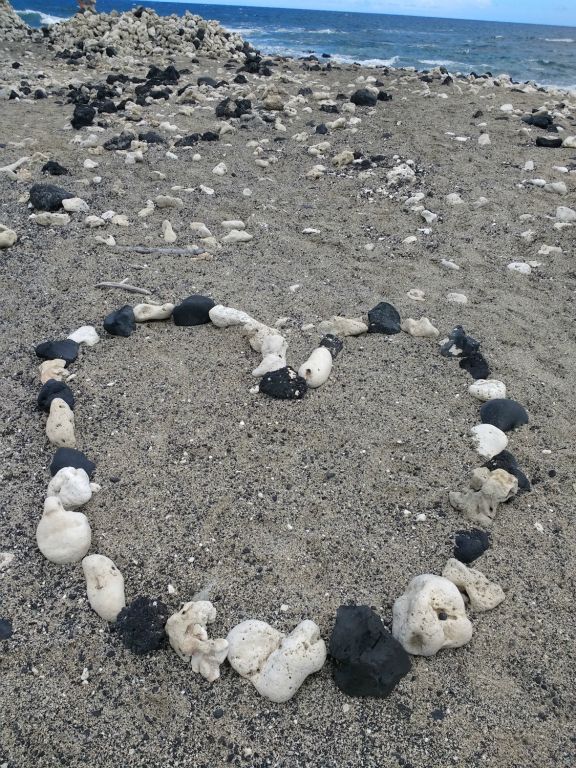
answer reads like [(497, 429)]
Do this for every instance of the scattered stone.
[(195, 310), (364, 97), (74, 205), (121, 322), (565, 214), (7, 237), (419, 328), (83, 115), (284, 384), (316, 370), (384, 318), (66, 350), (549, 141), (488, 440), (520, 266), (48, 197), (343, 326), (141, 625), (62, 536), (104, 586), (367, 659), (167, 201), (430, 616), (504, 414), (488, 490), (6, 630), (70, 457), (276, 664), (415, 293), (457, 298), (333, 344), (482, 594), (470, 545), (237, 236), (168, 233), (54, 389), (60, 424), (487, 389), (187, 634)]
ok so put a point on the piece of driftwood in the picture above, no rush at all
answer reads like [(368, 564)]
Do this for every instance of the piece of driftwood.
[(124, 286), (196, 251)]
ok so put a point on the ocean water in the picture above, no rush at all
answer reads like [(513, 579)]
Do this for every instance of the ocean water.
[(545, 54)]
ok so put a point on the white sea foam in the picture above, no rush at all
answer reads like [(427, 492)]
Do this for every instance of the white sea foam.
[(437, 62), (559, 40), (366, 62), (43, 18)]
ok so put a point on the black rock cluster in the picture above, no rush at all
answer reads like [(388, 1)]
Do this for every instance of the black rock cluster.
[(141, 625)]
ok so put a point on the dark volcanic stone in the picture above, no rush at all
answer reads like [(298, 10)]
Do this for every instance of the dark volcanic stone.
[(229, 108), (367, 659), (210, 136), (504, 414), (121, 322), (83, 115), (241, 79), (151, 137), (321, 129), (52, 350), (70, 457), (209, 81), (384, 96), (459, 344), (549, 141), (193, 310), (333, 344), (476, 365), (51, 389), (505, 460), (284, 384), (5, 629), (384, 318), (55, 169), (141, 625), (469, 545), (123, 141), (364, 98), (188, 141), (48, 197)]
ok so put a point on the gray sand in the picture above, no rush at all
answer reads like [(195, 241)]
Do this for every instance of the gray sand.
[(304, 504)]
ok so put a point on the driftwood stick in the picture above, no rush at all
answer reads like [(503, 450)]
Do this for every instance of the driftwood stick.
[(196, 251), (124, 286)]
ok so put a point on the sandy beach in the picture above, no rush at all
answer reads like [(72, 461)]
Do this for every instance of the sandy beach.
[(275, 510)]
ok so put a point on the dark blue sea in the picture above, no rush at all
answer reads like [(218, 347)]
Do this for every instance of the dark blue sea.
[(545, 54)]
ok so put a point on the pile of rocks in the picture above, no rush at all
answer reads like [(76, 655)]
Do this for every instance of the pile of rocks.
[(12, 28), (142, 32)]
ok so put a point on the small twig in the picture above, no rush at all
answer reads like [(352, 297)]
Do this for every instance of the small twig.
[(124, 286), (196, 251)]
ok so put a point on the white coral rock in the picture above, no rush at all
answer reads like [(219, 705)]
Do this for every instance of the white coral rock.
[(488, 440), (145, 312), (62, 536), (187, 633), (273, 349), (343, 326), (53, 369), (487, 389), (104, 586), (86, 334), (482, 594), (72, 486), (317, 368), (276, 664), (488, 489), (60, 424), (420, 328), (225, 317), (430, 616)]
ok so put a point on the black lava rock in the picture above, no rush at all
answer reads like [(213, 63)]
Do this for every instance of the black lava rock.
[(193, 310), (188, 141), (539, 119), (55, 169), (321, 129), (505, 460), (209, 81), (476, 365), (83, 115), (553, 142), (121, 322), (70, 457), (229, 108), (52, 350), (241, 79), (210, 136), (48, 197), (5, 629), (333, 344), (367, 659), (384, 318), (364, 98), (141, 625), (151, 137), (123, 141), (504, 414), (469, 545), (459, 344), (51, 389), (284, 384), (384, 96)]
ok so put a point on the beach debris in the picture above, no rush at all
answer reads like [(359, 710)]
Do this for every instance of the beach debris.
[(125, 286), (276, 664), (104, 586), (488, 489), (482, 594), (140, 625), (430, 616), (62, 536), (366, 659), (188, 636)]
